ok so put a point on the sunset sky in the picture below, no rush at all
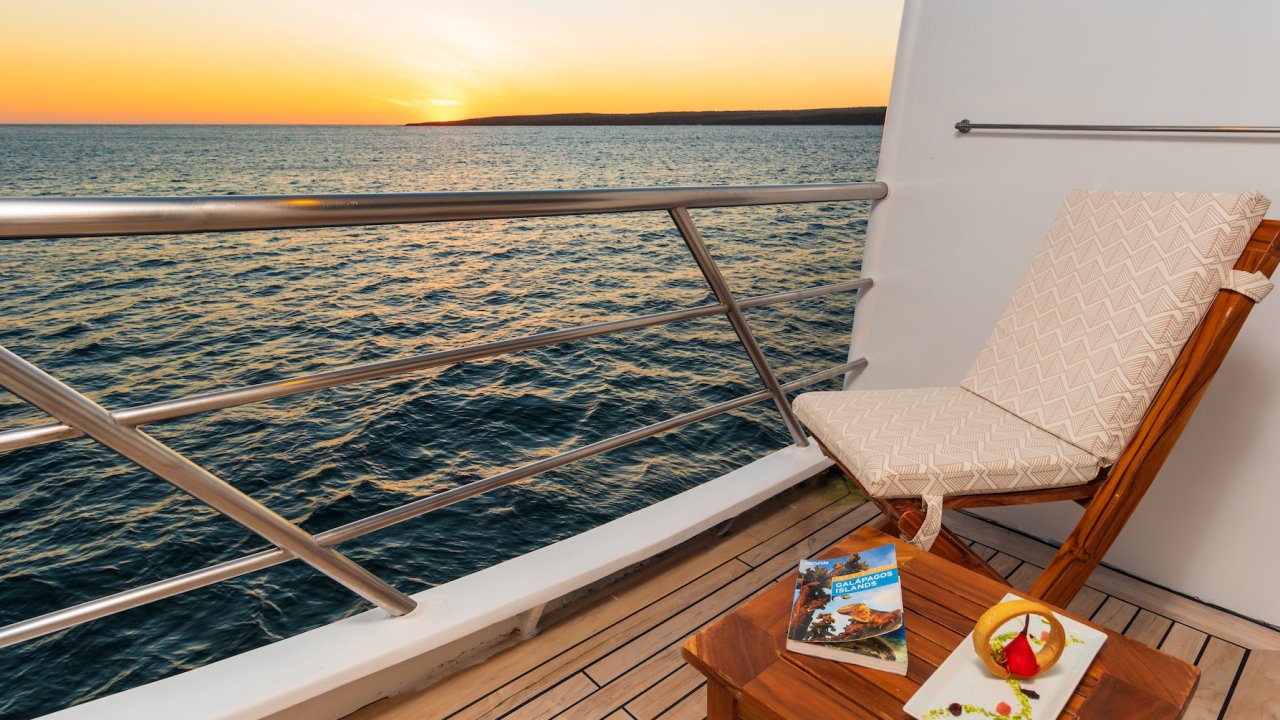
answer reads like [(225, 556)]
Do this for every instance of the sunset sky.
[(398, 61)]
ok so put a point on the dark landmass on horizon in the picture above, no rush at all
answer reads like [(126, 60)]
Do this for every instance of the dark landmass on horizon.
[(822, 116)]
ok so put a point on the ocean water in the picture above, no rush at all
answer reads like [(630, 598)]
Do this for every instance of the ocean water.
[(135, 320)]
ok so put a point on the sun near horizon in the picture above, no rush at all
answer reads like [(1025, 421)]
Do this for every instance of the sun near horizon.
[(390, 62)]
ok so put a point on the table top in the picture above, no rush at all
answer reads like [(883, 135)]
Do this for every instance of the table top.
[(744, 651)]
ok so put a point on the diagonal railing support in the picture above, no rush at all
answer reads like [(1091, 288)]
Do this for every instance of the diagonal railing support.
[(724, 295), (38, 388)]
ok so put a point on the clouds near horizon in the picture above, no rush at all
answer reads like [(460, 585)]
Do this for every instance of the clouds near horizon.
[(396, 61)]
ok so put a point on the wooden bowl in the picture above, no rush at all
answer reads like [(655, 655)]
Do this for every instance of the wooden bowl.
[(990, 622)]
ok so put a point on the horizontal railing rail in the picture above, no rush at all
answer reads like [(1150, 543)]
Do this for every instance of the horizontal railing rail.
[(223, 399), (77, 415), (48, 217)]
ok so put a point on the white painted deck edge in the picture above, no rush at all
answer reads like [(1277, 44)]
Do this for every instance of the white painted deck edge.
[(279, 676)]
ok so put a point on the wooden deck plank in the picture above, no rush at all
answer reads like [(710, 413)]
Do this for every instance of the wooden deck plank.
[(1024, 576), (627, 687), (625, 678), (1148, 628), (582, 655), (797, 505), (1004, 563), (1218, 665), (687, 621), (692, 707), (1086, 602), (635, 667), (1257, 694), (655, 701), (575, 658), (1178, 608), (1184, 643), (550, 704), (1114, 614), (983, 551), (769, 548), (560, 655)]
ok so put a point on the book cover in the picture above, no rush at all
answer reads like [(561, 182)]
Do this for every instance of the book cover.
[(849, 609)]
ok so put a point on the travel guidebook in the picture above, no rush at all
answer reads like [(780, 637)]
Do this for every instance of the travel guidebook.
[(849, 609)]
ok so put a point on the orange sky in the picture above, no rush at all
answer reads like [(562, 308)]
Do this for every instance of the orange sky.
[(397, 61)]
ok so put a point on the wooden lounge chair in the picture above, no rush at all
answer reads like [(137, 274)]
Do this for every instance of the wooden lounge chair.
[(1084, 386)]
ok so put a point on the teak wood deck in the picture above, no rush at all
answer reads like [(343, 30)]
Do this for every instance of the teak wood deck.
[(616, 654)]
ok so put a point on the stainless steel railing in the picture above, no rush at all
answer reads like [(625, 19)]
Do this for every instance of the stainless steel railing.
[(77, 415), (964, 126)]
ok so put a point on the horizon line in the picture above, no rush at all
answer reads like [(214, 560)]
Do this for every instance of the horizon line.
[(416, 122)]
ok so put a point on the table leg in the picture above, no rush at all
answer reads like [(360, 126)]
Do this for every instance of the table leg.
[(720, 702)]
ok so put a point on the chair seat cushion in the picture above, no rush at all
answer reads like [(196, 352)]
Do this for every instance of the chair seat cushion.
[(939, 441)]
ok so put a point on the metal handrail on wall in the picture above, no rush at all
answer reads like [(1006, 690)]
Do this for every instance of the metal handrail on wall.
[(77, 415), (964, 126)]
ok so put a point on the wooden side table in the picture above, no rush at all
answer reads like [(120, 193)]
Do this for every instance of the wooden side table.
[(751, 675)]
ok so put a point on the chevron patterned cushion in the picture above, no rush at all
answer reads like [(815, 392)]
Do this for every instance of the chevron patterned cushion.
[(939, 441), (1111, 298)]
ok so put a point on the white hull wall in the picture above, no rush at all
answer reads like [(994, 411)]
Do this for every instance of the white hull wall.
[(965, 214)]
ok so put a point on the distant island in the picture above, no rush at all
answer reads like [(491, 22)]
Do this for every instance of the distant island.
[(822, 116)]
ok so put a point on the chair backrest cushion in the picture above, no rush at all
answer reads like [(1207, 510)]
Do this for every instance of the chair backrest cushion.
[(1096, 325)]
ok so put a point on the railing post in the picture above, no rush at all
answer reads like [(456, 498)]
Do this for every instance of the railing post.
[(54, 397), (711, 272)]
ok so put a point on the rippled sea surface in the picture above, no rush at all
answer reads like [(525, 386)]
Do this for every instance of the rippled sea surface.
[(140, 319)]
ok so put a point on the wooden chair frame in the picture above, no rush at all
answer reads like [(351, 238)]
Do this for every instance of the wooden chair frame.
[(1112, 497)]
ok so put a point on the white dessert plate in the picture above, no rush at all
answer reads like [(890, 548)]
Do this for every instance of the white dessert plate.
[(963, 679)]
